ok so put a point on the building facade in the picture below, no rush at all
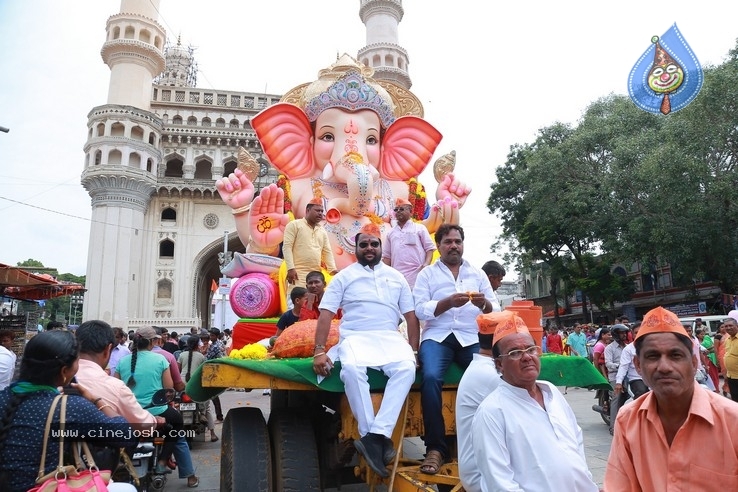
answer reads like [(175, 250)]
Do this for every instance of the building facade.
[(152, 156)]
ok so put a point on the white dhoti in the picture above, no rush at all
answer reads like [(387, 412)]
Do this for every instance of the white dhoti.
[(386, 351)]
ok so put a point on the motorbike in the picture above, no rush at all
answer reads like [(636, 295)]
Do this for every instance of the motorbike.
[(139, 468), (603, 405), (193, 416)]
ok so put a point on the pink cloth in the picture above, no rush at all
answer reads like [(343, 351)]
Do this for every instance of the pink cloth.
[(703, 455)]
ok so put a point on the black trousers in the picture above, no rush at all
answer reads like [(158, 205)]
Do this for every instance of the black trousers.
[(733, 387), (218, 409)]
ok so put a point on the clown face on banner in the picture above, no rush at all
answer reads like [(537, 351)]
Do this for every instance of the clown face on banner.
[(667, 77)]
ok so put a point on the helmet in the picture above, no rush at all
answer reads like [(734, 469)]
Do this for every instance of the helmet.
[(619, 328)]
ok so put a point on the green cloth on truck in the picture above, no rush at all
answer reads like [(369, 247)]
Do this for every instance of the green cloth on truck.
[(560, 370)]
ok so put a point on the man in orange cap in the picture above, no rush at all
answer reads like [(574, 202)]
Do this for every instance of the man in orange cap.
[(479, 380), (306, 246), (530, 436), (408, 247), (678, 435)]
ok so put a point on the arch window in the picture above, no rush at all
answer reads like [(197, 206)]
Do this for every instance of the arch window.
[(130, 33), (191, 121), (117, 129), (177, 120), (166, 249), (220, 123), (98, 157), (203, 169), (116, 32), (206, 121), (115, 158), (149, 165), (164, 289), (169, 214), (157, 42), (134, 160), (174, 168), (137, 133), (229, 167), (234, 123), (152, 139), (145, 36), (100, 129)]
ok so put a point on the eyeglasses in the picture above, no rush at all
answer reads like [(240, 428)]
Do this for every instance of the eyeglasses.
[(373, 244), (533, 351), (400, 209)]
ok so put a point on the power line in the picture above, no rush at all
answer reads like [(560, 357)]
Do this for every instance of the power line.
[(92, 221)]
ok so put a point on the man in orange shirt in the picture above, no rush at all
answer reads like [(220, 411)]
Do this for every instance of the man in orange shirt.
[(678, 436)]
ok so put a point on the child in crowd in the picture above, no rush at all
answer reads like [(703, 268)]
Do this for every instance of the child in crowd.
[(298, 296)]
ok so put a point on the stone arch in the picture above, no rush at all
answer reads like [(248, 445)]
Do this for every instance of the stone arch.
[(174, 167), (205, 270), (233, 123), (117, 129), (169, 215), (129, 33), (115, 157), (134, 160), (192, 121), (376, 60), (229, 166), (166, 249), (220, 123), (98, 157), (206, 121), (203, 168), (152, 138), (150, 165), (157, 42), (116, 32), (144, 36), (177, 120), (137, 133), (164, 289)]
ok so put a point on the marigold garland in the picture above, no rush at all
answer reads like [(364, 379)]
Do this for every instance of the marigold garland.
[(253, 351), (284, 183)]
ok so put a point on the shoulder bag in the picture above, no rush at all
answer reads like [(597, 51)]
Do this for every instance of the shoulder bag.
[(70, 478)]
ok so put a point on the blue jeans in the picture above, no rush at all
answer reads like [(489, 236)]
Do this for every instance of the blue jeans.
[(435, 358), (182, 455)]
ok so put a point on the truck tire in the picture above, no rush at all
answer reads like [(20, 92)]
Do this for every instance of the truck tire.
[(294, 452), (245, 454)]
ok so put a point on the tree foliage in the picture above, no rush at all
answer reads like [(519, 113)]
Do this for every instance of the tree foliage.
[(626, 185)]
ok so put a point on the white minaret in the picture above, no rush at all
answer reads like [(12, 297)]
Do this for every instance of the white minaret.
[(382, 51), (121, 159)]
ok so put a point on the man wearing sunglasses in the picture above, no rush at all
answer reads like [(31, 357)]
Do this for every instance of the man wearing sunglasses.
[(373, 297), (546, 450), (409, 247)]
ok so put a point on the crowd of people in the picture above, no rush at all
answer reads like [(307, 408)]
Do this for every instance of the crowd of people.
[(109, 377)]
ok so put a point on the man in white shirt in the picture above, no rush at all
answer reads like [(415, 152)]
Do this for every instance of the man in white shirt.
[(449, 295), (479, 380), (627, 370), (119, 351), (612, 362), (7, 358), (373, 297), (529, 437)]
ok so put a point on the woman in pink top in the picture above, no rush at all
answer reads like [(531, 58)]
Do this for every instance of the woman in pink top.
[(598, 352)]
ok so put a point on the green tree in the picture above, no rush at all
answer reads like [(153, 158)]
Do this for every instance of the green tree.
[(30, 263)]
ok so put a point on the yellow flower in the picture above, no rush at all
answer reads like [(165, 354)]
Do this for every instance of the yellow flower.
[(254, 351)]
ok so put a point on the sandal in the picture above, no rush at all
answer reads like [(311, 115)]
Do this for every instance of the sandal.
[(193, 482), (432, 462)]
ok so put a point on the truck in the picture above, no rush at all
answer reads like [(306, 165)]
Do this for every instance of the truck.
[(307, 442)]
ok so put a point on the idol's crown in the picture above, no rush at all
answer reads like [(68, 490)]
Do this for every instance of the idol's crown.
[(351, 92)]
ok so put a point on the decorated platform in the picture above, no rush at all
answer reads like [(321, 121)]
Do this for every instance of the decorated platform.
[(215, 376)]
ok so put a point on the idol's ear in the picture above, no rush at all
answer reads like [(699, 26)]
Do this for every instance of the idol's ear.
[(285, 132), (407, 148)]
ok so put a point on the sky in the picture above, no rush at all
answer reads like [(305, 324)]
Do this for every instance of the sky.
[(489, 76)]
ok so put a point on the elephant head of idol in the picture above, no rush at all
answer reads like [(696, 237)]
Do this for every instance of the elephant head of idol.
[(347, 139)]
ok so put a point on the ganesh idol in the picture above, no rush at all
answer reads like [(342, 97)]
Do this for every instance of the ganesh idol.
[(352, 142)]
